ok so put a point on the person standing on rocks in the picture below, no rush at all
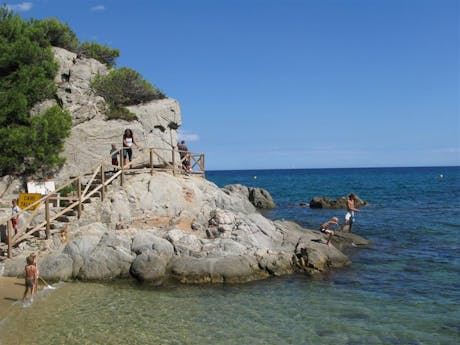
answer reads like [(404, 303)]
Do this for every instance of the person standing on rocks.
[(325, 229), (184, 155), (15, 215), (128, 141), (350, 215)]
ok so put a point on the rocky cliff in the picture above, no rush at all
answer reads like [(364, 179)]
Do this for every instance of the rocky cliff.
[(92, 133)]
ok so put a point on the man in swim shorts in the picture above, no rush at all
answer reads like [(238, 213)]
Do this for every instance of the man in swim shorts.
[(350, 215)]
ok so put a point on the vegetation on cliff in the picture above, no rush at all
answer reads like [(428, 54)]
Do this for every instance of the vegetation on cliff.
[(123, 87), (31, 143)]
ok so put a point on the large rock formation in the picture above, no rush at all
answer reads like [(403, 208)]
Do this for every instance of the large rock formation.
[(92, 134), (183, 228)]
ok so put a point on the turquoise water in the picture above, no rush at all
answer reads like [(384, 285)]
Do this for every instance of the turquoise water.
[(401, 290)]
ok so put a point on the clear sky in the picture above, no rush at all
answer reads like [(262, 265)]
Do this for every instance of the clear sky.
[(291, 83)]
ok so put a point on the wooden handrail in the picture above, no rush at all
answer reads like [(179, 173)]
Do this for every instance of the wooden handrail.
[(24, 233)]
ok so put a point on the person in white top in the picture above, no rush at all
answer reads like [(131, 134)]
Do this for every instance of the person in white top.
[(14, 215), (128, 141)]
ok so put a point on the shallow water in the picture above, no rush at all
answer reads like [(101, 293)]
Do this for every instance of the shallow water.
[(403, 289)]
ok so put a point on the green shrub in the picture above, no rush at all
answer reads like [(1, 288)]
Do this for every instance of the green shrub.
[(101, 53), (52, 31), (124, 87), (31, 144), (120, 113)]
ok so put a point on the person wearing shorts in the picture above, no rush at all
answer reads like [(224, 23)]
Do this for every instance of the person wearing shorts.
[(31, 274), (325, 229), (128, 142), (350, 215)]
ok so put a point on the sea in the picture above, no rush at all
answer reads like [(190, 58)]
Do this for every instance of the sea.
[(402, 289)]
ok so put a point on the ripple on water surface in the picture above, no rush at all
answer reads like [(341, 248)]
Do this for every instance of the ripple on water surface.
[(294, 310)]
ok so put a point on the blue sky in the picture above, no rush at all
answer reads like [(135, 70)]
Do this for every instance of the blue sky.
[(292, 83)]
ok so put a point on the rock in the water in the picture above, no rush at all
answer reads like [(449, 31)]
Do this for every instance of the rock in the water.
[(324, 202), (259, 197)]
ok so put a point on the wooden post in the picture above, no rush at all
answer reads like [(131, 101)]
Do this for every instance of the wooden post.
[(79, 196), (8, 231), (202, 163), (122, 162), (151, 161), (102, 182), (47, 218)]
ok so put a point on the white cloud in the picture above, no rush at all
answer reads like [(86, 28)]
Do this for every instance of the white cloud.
[(98, 8), (22, 7), (188, 136)]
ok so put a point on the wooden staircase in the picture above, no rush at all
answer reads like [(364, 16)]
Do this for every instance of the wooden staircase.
[(40, 220)]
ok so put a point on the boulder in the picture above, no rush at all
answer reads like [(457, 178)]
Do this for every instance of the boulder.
[(227, 269), (149, 267), (324, 202), (56, 267), (112, 258), (260, 198), (147, 241)]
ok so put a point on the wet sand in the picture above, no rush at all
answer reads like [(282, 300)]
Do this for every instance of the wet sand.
[(11, 290)]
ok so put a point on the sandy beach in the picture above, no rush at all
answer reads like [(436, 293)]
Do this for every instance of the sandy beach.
[(11, 290)]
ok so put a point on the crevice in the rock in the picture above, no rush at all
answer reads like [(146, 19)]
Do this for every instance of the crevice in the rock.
[(173, 125), (160, 127)]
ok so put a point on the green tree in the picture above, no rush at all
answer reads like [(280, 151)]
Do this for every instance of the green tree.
[(27, 71), (15, 149), (52, 31), (47, 135), (35, 147), (101, 53)]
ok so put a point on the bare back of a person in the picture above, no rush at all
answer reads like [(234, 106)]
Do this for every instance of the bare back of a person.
[(351, 205), (31, 271)]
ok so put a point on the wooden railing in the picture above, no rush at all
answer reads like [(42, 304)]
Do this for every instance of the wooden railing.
[(87, 185)]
